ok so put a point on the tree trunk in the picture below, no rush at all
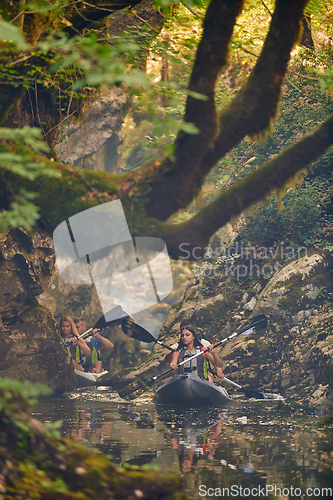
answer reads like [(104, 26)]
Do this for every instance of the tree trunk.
[(307, 40)]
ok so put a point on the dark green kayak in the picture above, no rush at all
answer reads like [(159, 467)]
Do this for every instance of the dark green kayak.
[(191, 390)]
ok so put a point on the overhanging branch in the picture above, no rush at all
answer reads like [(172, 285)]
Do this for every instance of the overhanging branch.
[(173, 184), (84, 14), (256, 104), (273, 175), (249, 113)]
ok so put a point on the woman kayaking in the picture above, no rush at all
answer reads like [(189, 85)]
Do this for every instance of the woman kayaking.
[(93, 363), (189, 345), (77, 347)]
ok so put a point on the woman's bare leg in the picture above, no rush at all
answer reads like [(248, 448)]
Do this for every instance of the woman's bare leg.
[(97, 367), (77, 366)]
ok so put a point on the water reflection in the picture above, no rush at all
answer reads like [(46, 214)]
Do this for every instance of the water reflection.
[(245, 444)]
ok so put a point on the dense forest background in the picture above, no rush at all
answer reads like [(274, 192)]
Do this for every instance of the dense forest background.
[(236, 129)]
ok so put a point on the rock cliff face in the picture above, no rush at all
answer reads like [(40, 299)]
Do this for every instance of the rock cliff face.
[(30, 346), (293, 357), (33, 297), (96, 143)]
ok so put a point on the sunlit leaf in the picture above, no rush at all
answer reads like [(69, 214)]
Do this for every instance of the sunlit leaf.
[(11, 33)]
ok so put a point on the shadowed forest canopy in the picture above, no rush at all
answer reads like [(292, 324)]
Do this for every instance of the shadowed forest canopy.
[(57, 54)]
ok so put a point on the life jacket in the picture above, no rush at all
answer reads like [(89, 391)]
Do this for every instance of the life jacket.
[(74, 350), (198, 365), (95, 352)]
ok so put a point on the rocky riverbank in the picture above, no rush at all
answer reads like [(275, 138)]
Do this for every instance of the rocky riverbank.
[(30, 345), (294, 357)]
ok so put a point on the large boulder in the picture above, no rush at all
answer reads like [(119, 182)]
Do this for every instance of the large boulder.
[(30, 345), (96, 142)]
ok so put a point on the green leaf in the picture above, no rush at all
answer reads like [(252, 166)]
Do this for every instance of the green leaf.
[(189, 128), (22, 213), (196, 95), (11, 33)]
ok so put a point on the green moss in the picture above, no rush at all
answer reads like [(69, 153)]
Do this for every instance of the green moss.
[(43, 465), (326, 421), (192, 295), (65, 195)]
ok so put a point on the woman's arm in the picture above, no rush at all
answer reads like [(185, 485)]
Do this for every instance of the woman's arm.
[(213, 357), (106, 343), (168, 357), (83, 346), (219, 372), (174, 361)]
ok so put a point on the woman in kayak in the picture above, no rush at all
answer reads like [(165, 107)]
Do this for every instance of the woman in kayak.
[(77, 347), (205, 343), (93, 363), (189, 344)]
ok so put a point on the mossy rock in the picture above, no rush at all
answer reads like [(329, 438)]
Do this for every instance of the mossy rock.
[(37, 463)]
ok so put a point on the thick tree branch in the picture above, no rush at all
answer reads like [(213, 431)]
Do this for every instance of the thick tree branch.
[(181, 175), (249, 113), (76, 190), (256, 104), (273, 175), (85, 14)]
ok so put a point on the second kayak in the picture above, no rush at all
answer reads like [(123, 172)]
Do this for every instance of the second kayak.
[(87, 379)]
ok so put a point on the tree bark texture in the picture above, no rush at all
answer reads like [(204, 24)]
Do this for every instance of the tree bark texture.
[(306, 38)]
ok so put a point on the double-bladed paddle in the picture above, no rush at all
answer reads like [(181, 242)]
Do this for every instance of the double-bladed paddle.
[(137, 332), (249, 393), (257, 323), (115, 315)]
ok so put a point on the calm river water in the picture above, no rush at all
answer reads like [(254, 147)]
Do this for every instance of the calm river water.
[(244, 450)]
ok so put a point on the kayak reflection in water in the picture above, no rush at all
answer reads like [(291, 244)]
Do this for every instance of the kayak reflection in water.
[(195, 443), (189, 344), (77, 347)]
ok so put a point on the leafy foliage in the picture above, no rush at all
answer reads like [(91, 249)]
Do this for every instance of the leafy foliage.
[(303, 215), (69, 63), (11, 388), (72, 65), (10, 33), (16, 157)]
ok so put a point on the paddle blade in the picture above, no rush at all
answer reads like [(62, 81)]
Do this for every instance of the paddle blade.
[(256, 323), (110, 318), (248, 332), (136, 390), (136, 331), (261, 322), (250, 393)]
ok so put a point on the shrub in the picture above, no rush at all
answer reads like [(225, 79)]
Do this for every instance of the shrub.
[(305, 211)]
